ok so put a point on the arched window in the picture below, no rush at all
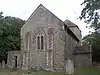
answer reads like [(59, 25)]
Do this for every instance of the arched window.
[(40, 42)]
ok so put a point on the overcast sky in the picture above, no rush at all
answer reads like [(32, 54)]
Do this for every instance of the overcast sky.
[(64, 9)]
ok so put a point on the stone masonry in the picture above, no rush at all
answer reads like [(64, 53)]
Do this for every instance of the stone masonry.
[(46, 42)]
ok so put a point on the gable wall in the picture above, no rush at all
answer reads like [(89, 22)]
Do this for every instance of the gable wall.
[(42, 20)]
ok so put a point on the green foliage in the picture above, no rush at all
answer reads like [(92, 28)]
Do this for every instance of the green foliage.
[(90, 13), (9, 34), (94, 40)]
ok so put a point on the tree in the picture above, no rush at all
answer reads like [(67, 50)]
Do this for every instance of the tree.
[(91, 13), (9, 34), (94, 40)]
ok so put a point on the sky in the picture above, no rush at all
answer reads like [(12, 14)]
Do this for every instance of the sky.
[(63, 9)]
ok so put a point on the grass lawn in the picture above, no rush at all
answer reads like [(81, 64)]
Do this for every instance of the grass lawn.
[(87, 71), (47, 73), (78, 71), (8, 72)]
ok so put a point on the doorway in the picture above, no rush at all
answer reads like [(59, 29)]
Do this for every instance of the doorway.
[(15, 61)]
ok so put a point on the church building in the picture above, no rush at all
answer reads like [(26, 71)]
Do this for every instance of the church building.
[(47, 43)]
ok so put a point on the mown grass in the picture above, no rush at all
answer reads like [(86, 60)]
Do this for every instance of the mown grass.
[(87, 71), (47, 73), (20, 72), (78, 71)]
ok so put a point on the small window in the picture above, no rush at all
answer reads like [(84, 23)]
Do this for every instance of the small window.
[(40, 42)]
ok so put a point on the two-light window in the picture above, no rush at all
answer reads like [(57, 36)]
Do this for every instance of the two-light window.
[(40, 42)]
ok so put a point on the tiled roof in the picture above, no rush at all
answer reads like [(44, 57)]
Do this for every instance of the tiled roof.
[(82, 49)]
